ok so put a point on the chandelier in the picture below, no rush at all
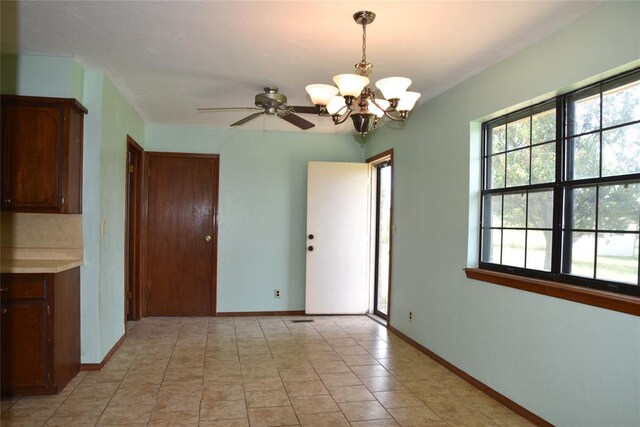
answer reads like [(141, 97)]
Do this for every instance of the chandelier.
[(357, 100)]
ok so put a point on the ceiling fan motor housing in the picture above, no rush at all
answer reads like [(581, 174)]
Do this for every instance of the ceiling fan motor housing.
[(271, 100)]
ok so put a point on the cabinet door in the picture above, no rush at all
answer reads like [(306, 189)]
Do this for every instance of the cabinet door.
[(32, 151), (24, 345)]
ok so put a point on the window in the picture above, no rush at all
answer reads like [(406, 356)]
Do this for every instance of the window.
[(561, 188)]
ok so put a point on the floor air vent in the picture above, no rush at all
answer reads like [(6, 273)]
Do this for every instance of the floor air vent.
[(302, 321)]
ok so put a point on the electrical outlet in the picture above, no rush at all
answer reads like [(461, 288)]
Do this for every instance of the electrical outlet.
[(411, 315), (276, 293)]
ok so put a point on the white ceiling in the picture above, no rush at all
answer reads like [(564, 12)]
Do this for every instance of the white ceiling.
[(170, 57)]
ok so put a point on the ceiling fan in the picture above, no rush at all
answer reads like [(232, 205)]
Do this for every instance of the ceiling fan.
[(271, 103)]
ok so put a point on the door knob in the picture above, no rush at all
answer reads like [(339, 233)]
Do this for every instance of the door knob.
[(310, 248), (4, 310), (207, 238)]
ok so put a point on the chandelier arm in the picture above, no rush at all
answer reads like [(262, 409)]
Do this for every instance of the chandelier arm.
[(338, 120), (399, 118)]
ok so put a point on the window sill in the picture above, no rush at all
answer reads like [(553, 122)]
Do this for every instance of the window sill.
[(597, 298)]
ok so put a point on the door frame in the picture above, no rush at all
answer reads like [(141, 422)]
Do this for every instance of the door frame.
[(373, 162), (133, 241), (145, 221)]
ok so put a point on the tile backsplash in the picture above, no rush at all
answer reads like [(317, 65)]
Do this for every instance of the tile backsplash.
[(41, 231)]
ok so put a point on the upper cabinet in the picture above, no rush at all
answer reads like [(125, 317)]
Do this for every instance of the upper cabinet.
[(42, 154)]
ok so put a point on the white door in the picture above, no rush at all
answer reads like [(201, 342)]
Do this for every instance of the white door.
[(337, 238)]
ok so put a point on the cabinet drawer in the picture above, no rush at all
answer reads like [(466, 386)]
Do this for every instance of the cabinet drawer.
[(28, 286)]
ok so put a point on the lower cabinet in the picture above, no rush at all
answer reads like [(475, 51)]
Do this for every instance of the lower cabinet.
[(40, 331)]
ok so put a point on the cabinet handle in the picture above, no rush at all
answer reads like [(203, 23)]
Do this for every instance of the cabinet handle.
[(4, 310), (4, 289), (7, 201)]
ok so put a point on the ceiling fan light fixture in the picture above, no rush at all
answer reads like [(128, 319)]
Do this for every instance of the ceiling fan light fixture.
[(393, 87), (358, 100), (350, 84), (321, 94)]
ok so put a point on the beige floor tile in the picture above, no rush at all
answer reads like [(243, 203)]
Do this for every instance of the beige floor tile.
[(91, 390), (513, 420), (223, 392), (397, 399), (263, 384), (376, 384), (360, 360), (370, 371), (332, 419), (86, 421), (169, 401), (125, 414), (105, 376), (82, 407), (376, 423), (298, 374), (7, 403), (174, 419), (223, 410), (314, 404), (363, 411), (322, 367), (268, 417), (305, 388), (224, 423), (26, 416), (342, 379), (354, 393), (416, 416), (264, 399)]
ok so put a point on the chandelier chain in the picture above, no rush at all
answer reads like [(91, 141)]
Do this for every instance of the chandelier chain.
[(364, 42)]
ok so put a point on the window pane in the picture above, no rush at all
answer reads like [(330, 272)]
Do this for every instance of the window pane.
[(492, 210), (619, 207), (582, 254), (539, 245), (518, 168), (543, 127), (540, 209), (513, 253), (514, 210), (621, 150), (583, 208), (618, 257), (491, 241), (496, 171), (621, 105), (586, 115), (498, 135), (586, 156), (518, 133), (543, 163)]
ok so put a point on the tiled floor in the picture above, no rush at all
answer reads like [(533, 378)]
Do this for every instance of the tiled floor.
[(335, 371)]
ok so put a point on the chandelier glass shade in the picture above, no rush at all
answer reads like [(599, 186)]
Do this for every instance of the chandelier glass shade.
[(356, 99)]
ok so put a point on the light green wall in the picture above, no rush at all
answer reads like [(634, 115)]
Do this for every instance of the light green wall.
[(572, 364), (262, 207), (119, 119), (32, 75)]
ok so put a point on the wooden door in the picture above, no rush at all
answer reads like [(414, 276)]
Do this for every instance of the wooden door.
[(337, 238), (32, 156), (181, 235), (24, 345)]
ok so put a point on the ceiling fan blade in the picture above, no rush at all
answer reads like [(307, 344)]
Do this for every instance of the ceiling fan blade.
[(304, 109), (204, 110), (297, 121), (246, 119)]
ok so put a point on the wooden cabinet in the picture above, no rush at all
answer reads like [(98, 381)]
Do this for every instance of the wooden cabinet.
[(40, 331), (42, 154)]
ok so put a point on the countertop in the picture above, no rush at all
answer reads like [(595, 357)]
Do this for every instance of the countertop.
[(38, 265)]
